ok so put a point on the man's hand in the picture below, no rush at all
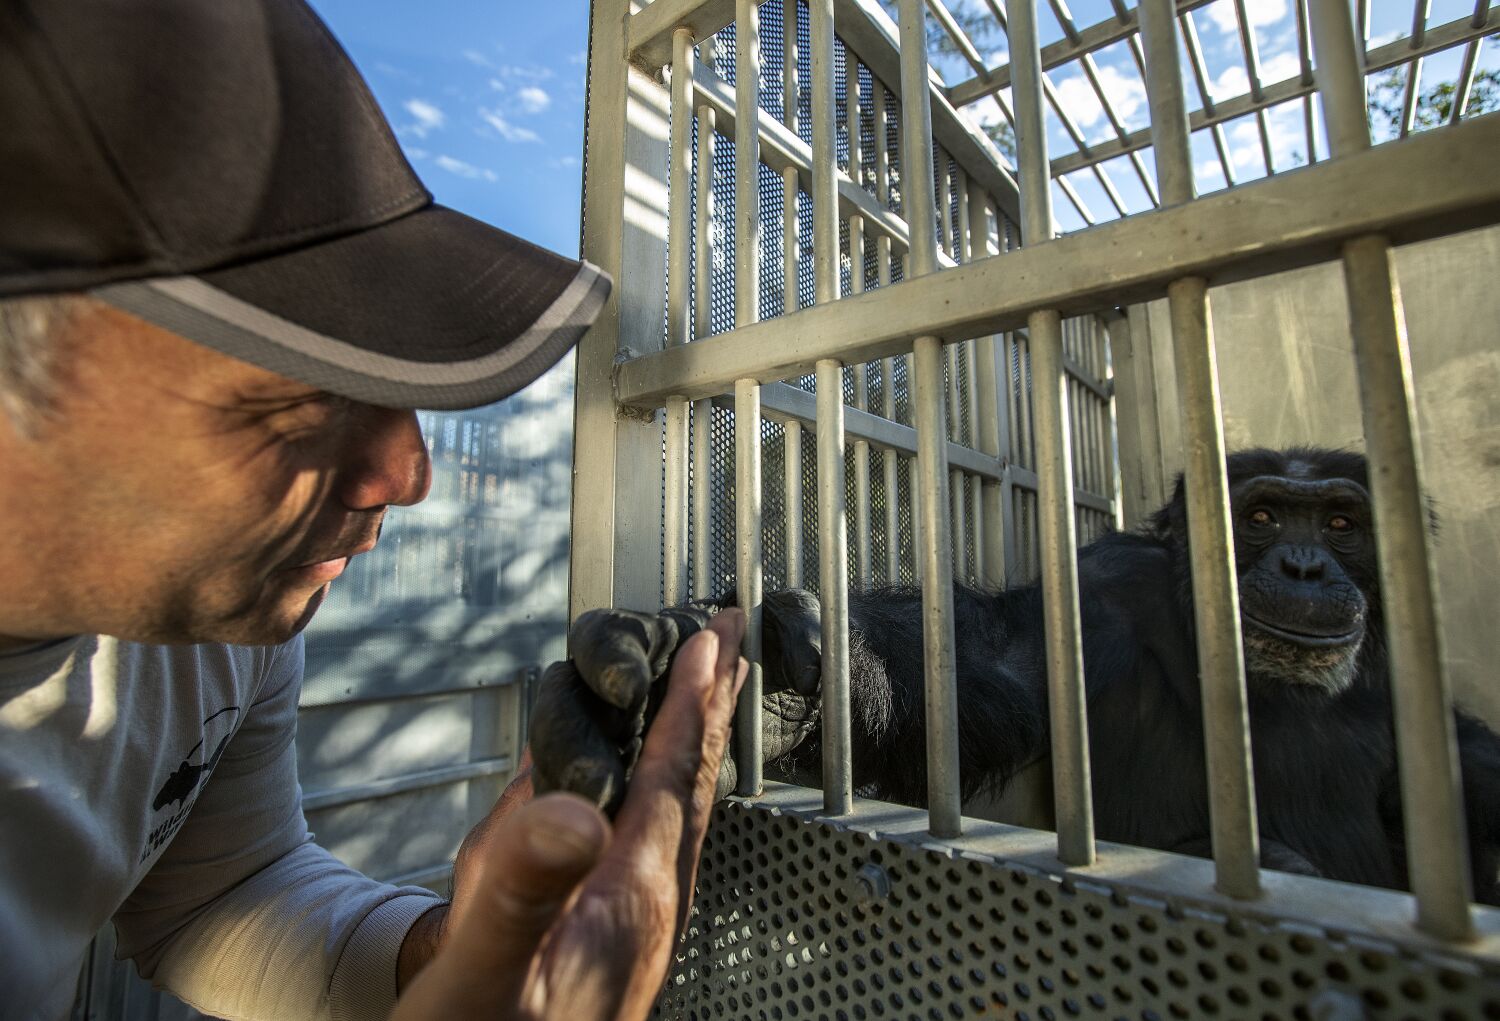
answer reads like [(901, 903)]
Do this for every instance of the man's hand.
[(567, 919)]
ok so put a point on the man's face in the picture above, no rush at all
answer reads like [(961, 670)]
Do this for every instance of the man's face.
[(181, 495)]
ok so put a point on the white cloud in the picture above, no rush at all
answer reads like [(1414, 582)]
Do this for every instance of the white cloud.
[(1284, 128), (534, 99), (417, 154), (1125, 92), (507, 130), (1234, 81), (428, 116), (579, 59), (565, 162), (1259, 13), (463, 169), (526, 72), (397, 72), (477, 58)]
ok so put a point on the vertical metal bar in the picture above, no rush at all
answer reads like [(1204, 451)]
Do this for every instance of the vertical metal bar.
[(1465, 84), (957, 508), (790, 87), (943, 804), (1069, 721), (889, 458), (862, 569), (990, 375), (792, 451), (945, 202), (968, 215), (747, 227), (747, 730), (790, 242), (1437, 849), (882, 179), (703, 326), (833, 556), (791, 246), (749, 581), (838, 788), (1236, 842), (914, 487), (862, 534), (889, 465), (679, 326), (627, 161)]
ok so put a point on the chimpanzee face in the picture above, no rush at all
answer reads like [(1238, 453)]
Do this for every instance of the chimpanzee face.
[(1305, 557)]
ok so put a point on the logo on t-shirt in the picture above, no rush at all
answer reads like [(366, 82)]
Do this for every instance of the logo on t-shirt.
[(180, 791)]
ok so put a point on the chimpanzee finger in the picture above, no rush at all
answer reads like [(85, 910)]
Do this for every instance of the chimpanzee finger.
[(576, 739), (620, 653)]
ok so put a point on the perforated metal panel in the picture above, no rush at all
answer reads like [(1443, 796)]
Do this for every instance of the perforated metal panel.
[(847, 920)]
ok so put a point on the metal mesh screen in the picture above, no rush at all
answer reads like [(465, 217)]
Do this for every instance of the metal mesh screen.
[(803, 919), (1084, 343)]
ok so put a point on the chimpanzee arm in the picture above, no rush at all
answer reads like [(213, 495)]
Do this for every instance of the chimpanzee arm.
[(1479, 758), (1002, 693)]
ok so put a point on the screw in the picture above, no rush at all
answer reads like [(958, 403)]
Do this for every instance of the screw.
[(874, 883)]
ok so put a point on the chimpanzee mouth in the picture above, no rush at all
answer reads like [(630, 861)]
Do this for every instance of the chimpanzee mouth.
[(1317, 640)]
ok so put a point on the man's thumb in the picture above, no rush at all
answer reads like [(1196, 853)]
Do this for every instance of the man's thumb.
[(533, 864)]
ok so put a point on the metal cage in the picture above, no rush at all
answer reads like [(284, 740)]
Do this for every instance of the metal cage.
[(845, 349)]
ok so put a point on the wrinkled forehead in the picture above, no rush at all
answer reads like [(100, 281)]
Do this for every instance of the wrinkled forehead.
[(1302, 488)]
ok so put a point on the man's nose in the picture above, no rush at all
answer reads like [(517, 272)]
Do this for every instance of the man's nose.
[(386, 462)]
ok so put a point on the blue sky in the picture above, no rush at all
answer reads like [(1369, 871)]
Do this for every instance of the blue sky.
[(1274, 26), (486, 99)]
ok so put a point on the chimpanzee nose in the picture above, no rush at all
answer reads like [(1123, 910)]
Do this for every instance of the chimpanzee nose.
[(1301, 563)]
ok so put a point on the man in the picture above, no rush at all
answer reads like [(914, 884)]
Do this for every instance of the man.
[(222, 290)]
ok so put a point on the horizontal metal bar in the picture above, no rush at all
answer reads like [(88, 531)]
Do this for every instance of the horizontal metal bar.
[(1275, 224), (650, 31), (1025, 478), (1381, 58), (1158, 881), (1084, 378), (1095, 37), (782, 403), (406, 783)]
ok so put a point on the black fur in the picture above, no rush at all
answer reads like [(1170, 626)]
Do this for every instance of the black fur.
[(1323, 744)]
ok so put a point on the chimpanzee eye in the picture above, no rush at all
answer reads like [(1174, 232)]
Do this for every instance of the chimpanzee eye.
[(1339, 523), (1261, 516)]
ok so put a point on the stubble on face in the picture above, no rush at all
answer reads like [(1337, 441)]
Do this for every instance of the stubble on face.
[(175, 495)]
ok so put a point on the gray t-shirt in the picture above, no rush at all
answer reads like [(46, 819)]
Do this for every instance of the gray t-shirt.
[(157, 785)]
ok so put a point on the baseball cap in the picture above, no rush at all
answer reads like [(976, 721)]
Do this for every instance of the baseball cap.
[(220, 169)]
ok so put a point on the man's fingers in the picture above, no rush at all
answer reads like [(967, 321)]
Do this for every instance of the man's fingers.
[(672, 788), (534, 863)]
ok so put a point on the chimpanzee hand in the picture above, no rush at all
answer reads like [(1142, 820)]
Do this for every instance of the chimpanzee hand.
[(592, 710)]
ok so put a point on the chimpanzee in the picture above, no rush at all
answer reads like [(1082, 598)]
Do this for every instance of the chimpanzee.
[(1320, 708)]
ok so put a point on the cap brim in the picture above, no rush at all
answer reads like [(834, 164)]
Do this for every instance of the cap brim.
[(430, 310)]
